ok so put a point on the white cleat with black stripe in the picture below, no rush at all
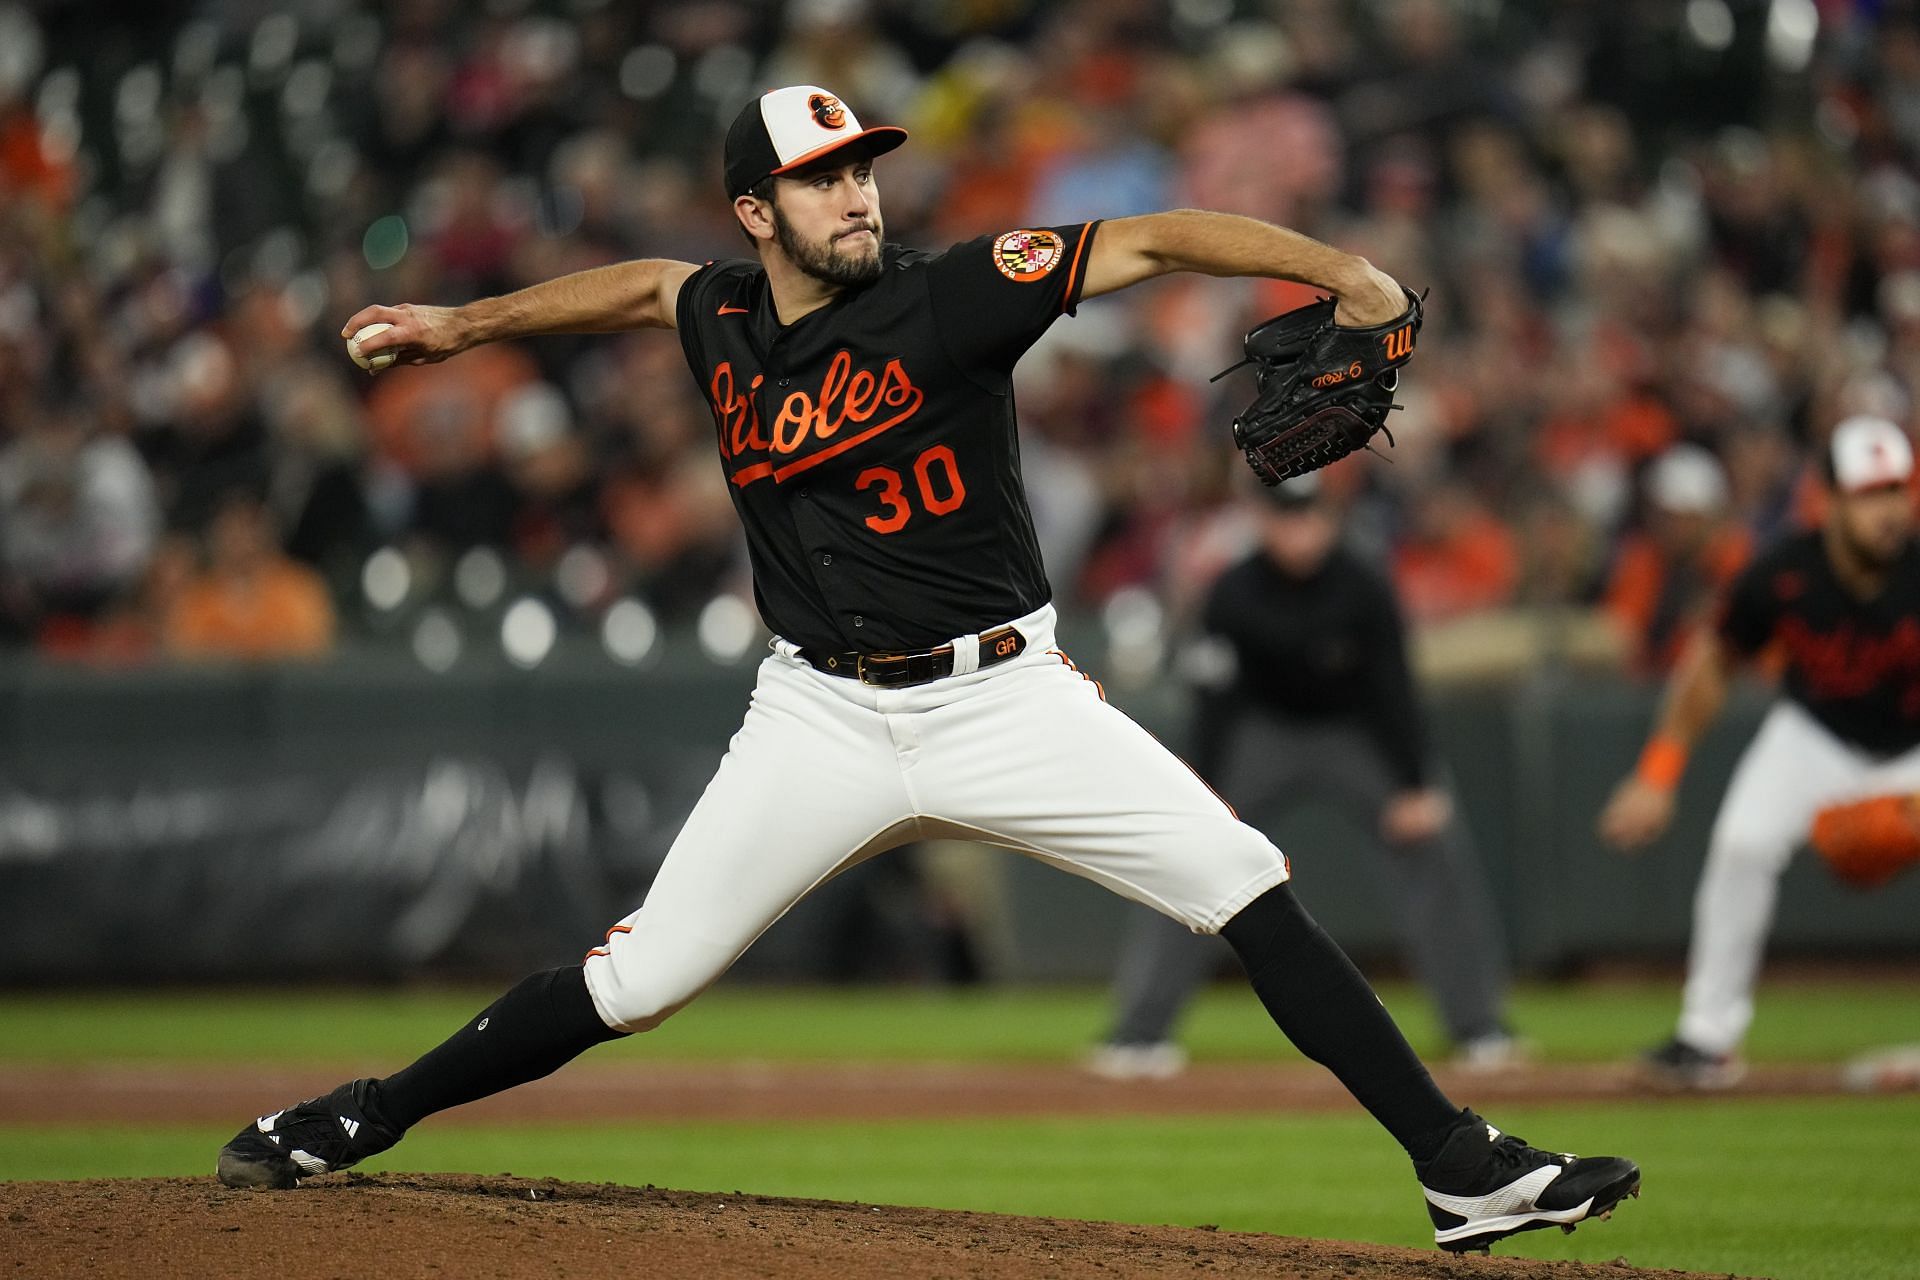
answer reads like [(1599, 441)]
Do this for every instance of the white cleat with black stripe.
[(1486, 1185)]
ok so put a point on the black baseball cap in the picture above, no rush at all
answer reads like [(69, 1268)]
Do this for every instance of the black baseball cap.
[(784, 129)]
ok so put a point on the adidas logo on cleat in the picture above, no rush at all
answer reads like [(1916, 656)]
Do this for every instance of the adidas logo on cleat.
[(320, 1135)]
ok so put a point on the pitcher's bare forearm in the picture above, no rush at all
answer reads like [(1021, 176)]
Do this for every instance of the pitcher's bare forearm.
[(640, 294), (1127, 251), (612, 299)]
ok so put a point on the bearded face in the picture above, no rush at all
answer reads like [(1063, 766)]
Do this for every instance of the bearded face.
[(1876, 523), (846, 257)]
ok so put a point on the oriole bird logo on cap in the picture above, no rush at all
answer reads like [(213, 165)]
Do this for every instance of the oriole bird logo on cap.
[(827, 111)]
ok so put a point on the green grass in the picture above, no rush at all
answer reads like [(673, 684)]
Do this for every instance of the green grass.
[(1794, 1188), (1807, 1189), (1797, 1022)]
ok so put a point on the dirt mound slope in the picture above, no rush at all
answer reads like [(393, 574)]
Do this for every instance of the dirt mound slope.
[(400, 1226)]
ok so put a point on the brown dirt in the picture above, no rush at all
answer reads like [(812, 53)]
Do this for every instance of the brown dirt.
[(411, 1225), (788, 1091)]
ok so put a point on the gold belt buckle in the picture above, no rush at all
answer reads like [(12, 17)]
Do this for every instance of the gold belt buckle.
[(861, 671), (869, 667)]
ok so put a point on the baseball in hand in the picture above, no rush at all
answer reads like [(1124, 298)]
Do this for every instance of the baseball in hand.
[(379, 359)]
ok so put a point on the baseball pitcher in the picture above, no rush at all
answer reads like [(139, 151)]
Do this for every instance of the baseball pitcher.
[(864, 420)]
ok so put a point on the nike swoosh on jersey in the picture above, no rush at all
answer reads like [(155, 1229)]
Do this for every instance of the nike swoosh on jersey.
[(727, 309)]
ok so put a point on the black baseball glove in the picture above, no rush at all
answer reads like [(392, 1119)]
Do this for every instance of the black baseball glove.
[(1324, 388)]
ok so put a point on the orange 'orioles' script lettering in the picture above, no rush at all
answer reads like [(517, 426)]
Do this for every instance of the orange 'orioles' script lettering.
[(735, 412), (810, 427)]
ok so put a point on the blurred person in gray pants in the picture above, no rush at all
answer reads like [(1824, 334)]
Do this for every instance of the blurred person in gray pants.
[(1303, 693)]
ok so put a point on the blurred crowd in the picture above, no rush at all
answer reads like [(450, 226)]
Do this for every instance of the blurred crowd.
[(1669, 245)]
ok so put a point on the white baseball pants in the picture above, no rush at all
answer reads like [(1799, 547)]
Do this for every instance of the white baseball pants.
[(826, 771), (1793, 768)]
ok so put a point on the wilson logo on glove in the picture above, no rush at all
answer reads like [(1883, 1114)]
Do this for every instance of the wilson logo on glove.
[(1322, 389)]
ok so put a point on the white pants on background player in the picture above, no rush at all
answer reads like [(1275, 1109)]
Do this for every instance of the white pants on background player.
[(826, 771), (1793, 768)]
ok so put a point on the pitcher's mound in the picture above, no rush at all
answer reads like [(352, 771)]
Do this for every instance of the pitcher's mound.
[(401, 1226)]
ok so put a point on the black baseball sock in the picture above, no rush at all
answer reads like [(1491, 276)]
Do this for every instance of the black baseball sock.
[(1327, 1009), (533, 1030)]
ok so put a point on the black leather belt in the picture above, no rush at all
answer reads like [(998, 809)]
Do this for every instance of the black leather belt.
[(916, 666)]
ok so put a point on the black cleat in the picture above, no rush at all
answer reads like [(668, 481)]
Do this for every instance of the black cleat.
[(318, 1136), (1485, 1186)]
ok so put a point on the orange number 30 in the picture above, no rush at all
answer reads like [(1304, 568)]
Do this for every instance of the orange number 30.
[(893, 493), (891, 496)]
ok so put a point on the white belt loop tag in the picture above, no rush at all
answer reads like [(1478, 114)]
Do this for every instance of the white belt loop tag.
[(966, 655)]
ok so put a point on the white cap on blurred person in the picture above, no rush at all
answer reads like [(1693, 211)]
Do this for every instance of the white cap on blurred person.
[(1869, 453), (1687, 480)]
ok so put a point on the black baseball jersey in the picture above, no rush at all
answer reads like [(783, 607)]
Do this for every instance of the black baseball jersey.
[(870, 447), (1853, 664), (1330, 646)]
